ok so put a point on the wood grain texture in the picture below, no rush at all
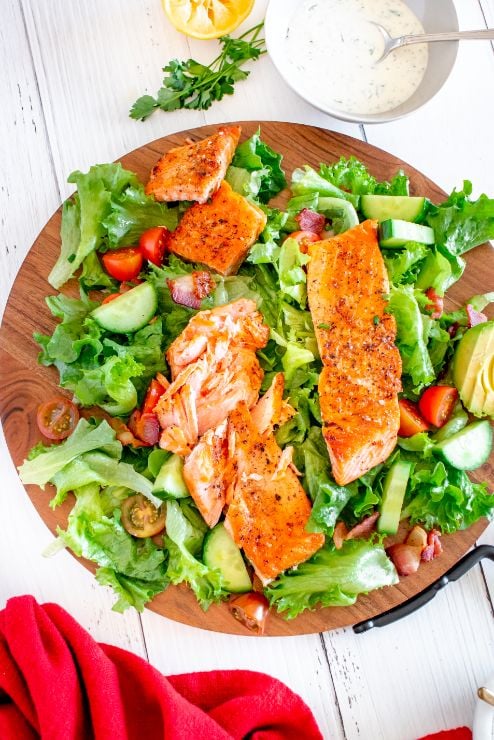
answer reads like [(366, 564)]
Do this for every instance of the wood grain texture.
[(24, 384)]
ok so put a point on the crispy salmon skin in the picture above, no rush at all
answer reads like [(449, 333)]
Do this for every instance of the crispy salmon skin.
[(220, 233), (194, 171), (359, 384)]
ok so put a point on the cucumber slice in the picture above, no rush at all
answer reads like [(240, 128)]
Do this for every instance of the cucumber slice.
[(342, 214), (469, 448), (170, 482), (221, 553), (394, 489), (129, 312), (404, 207), (396, 233)]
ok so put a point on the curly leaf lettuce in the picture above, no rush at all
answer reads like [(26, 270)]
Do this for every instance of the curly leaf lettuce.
[(264, 164), (333, 578)]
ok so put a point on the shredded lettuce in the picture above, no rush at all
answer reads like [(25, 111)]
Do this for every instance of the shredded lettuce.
[(333, 578)]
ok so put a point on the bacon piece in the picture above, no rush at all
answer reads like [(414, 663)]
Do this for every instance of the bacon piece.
[(363, 528), (189, 290), (436, 305), (433, 548), (145, 426), (474, 317), (340, 534), (406, 558), (311, 221)]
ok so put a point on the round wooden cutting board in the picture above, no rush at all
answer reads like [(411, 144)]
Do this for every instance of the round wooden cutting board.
[(25, 384)]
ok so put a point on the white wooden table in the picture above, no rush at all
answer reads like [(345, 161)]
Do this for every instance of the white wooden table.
[(69, 71)]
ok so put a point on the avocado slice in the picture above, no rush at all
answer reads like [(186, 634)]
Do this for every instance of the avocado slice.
[(473, 369)]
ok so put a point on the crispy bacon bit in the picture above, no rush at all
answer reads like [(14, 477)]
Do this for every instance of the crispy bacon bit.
[(145, 426), (433, 548), (311, 221), (363, 528), (189, 290), (453, 329), (340, 534), (475, 317), (406, 558), (436, 305)]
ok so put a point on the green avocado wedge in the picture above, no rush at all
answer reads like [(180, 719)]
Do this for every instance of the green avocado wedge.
[(473, 369)]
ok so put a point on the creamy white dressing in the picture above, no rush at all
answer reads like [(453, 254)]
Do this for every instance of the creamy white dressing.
[(333, 47)]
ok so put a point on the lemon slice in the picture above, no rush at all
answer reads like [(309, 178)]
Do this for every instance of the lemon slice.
[(207, 19)]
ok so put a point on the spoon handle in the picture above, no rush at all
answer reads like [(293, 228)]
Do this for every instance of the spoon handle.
[(486, 33)]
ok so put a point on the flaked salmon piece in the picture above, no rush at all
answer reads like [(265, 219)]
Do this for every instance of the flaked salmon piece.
[(194, 171), (271, 410), (239, 322), (219, 233), (205, 473), (359, 384), (268, 508), (222, 371)]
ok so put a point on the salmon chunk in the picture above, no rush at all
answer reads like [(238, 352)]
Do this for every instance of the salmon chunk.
[(214, 367), (220, 233), (271, 410), (359, 384), (206, 473), (267, 507), (194, 171)]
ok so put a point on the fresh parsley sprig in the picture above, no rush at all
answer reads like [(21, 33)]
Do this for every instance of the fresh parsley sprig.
[(196, 86)]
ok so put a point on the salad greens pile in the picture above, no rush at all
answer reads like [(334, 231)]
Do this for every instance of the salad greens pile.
[(112, 371)]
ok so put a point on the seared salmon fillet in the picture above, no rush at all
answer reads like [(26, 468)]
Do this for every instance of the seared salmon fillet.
[(271, 410), (194, 171), (267, 507), (360, 380), (214, 367), (220, 233), (205, 473)]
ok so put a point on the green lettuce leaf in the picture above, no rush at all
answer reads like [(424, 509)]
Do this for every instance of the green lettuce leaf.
[(255, 155), (131, 591), (132, 212), (333, 578), (84, 438), (183, 539), (411, 337), (352, 175), (403, 265), (461, 223)]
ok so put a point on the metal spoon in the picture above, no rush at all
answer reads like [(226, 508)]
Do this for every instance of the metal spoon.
[(390, 43)]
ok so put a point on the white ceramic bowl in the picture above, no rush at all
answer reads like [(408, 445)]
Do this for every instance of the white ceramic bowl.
[(435, 15)]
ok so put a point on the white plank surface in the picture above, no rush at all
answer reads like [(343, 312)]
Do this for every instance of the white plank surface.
[(70, 72)]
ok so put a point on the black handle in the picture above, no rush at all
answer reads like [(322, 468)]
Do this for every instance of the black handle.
[(422, 598)]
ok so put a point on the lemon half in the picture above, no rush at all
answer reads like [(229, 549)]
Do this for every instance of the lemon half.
[(207, 19)]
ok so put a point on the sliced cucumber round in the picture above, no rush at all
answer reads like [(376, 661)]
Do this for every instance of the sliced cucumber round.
[(469, 448), (221, 553), (404, 207), (129, 312), (396, 233), (170, 482)]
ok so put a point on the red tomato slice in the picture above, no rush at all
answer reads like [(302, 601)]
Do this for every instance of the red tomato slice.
[(251, 609), (123, 264), (57, 418), (153, 395), (436, 305), (153, 244), (304, 238), (437, 402), (411, 421)]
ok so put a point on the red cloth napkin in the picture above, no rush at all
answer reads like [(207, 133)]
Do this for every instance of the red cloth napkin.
[(460, 733), (58, 683)]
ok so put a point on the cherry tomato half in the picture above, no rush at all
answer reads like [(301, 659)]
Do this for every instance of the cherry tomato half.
[(437, 402), (110, 298), (57, 418), (153, 395), (153, 244), (411, 422), (123, 264), (251, 610), (304, 238), (436, 305), (140, 518)]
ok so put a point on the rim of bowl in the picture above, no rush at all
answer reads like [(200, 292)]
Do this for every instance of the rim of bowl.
[(385, 117)]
